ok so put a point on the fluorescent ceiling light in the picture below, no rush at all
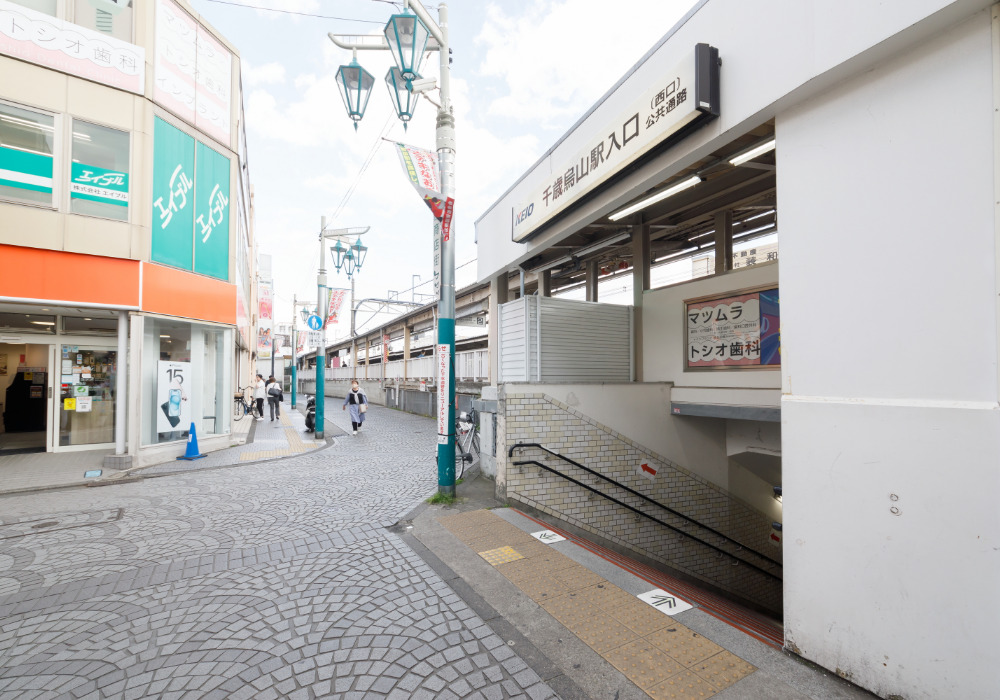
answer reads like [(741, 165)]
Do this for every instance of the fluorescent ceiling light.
[(658, 197), (43, 323), (753, 153)]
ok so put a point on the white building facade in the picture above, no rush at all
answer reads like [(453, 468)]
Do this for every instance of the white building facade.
[(882, 430)]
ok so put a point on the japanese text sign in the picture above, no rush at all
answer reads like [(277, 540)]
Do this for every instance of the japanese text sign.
[(337, 297), (442, 385), (421, 167), (734, 331), (663, 109), (47, 41)]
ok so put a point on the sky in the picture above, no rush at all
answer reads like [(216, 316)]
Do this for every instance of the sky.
[(523, 72)]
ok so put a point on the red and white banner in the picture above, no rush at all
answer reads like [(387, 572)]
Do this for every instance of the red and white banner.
[(385, 350), (442, 385), (424, 172), (336, 301)]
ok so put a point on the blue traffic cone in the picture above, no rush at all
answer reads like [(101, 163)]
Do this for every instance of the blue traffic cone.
[(192, 453)]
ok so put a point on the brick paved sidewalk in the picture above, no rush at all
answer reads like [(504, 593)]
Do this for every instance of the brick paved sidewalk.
[(275, 579)]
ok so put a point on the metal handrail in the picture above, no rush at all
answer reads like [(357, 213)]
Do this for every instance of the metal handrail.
[(726, 539)]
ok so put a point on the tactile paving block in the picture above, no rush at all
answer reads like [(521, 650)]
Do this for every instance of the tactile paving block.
[(501, 555), (684, 686), (576, 577), (682, 644), (639, 617), (604, 595), (541, 588), (600, 632), (723, 669), (643, 664)]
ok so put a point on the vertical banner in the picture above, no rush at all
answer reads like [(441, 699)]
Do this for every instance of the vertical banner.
[(173, 196), (176, 60), (443, 386), (423, 171), (337, 297), (265, 321), (172, 387), (211, 234), (385, 349), (212, 93), (437, 259)]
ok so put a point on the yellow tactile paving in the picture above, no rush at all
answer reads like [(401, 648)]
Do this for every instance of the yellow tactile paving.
[(500, 555), (664, 658), (644, 664), (684, 686)]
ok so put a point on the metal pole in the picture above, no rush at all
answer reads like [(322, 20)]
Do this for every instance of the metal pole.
[(321, 348), (295, 344), (121, 373), (354, 351), (445, 138)]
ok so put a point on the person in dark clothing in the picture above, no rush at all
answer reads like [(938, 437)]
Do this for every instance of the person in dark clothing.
[(274, 396), (358, 402)]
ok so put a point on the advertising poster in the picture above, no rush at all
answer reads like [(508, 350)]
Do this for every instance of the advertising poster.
[(173, 196), (176, 60), (44, 40), (421, 167), (442, 385), (173, 412), (265, 321), (735, 331), (211, 231), (214, 84), (337, 297), (98, 184)]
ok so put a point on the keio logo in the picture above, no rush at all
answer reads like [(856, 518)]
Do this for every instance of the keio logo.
[(525, 213)]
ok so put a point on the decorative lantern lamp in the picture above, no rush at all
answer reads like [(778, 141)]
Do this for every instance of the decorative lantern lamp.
[(338, 251), (349, 262), (355, 85), (407, 37), (403, 100), (360, 251)]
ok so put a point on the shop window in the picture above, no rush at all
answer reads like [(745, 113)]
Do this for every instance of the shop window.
[(187, 370), (49, 7), (26, 148), (111, 17), (31, 323), (99, 172), (89, 325), (87, 396)]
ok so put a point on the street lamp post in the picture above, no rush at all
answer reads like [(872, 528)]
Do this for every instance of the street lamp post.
[(350, 258), (406, 35), (295, 342)]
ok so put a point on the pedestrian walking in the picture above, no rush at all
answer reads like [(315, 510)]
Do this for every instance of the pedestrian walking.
[(274, 396), (357, 400), (258, 395)]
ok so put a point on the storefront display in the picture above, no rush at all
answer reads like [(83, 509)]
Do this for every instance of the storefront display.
[(186, 370), (87, 413)]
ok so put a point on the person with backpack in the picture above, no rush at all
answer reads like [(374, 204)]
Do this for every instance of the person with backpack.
[(274, 396)]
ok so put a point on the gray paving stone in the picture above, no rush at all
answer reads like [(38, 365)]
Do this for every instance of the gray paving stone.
[(248, 581)]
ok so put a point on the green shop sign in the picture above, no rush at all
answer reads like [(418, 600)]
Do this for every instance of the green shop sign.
[(190, 203), (28, 171), (98, 184)]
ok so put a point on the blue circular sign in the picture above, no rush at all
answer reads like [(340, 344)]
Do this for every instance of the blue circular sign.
[(315, 322)]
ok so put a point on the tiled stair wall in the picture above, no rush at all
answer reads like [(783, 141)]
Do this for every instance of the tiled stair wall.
[(539, 418)]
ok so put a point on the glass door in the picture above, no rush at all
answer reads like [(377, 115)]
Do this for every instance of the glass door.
[(86, 404)]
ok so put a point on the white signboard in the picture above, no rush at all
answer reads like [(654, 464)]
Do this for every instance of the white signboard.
[(665, 602), (193, 71), (547, 537), (663, 109), (172, 390), (83, 404), (442, 381), (47, 41)]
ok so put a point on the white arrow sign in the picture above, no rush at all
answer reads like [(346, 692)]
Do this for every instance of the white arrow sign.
[(664, 601), (547, 536)]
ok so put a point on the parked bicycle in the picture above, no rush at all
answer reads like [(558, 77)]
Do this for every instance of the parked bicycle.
[(466, 441), (243, 406)]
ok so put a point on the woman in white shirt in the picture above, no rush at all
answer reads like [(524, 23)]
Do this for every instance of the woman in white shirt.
[(258, 395)]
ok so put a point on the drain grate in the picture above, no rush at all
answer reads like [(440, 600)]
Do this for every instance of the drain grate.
[(59, 521)]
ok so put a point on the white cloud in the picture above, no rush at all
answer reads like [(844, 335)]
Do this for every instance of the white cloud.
[(267, 74), (559, 57)]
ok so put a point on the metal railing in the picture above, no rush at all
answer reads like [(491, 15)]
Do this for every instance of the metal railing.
[(470, 366), (726, 540)]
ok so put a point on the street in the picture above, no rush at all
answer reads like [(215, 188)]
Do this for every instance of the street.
[(268, 580)]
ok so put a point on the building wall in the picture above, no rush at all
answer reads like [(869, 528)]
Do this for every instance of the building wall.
[(890, 420), (529, 417)]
